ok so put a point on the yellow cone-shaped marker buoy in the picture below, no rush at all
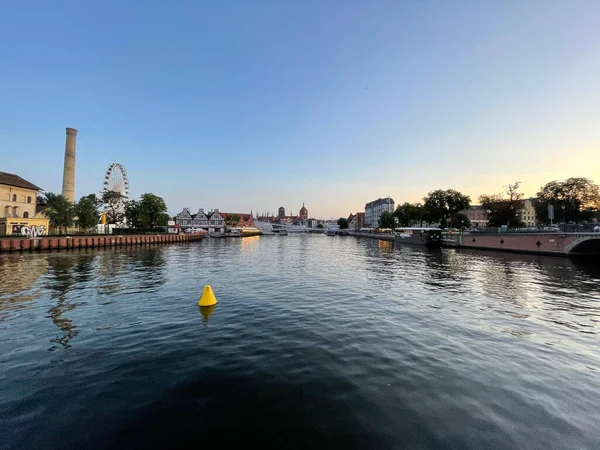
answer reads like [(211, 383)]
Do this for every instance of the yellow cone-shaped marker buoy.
[(208, 297)]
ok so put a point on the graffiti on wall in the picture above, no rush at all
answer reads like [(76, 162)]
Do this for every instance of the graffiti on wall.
[(32, 232)]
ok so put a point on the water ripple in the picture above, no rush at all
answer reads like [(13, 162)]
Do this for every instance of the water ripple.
[(316, 342)]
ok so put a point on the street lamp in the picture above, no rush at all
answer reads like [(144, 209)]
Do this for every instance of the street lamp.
[(563, 206)]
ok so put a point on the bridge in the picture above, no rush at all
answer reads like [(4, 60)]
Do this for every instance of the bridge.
[(583, 244)]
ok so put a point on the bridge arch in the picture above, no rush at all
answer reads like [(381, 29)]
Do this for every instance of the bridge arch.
[(584, 245)]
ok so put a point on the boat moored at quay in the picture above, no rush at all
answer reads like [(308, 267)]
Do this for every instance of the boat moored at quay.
[(242, 232), (429, 237), (332, 229)]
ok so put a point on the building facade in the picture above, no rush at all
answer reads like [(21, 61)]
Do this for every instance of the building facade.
[(281, 218), (477, 216), (18, 199), (244, 221), (303, 212), (356, 221), (211, 221), (527, 214), (374, 209)]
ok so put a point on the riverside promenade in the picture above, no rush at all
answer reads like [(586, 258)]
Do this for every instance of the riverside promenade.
[(15, 244)]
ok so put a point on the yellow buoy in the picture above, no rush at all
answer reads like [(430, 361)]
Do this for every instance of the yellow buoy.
[(208, 297)]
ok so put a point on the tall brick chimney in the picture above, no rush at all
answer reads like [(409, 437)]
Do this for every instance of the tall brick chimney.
[(68, 187)]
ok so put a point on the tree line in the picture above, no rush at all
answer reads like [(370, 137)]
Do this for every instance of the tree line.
[(575, 199), (149, 211)]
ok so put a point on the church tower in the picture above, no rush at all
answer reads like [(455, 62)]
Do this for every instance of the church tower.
[(303, 212)]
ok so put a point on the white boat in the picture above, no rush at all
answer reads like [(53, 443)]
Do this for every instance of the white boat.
[(332, 229), (264, 227), (296, 228), (279, 229), (235, 232)]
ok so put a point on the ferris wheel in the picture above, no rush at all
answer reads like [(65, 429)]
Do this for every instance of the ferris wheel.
[(116, 180)]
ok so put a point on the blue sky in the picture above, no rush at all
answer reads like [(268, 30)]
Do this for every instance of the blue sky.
[(243, 105)]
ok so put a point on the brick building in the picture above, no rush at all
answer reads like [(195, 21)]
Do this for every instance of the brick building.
[(356, 221), (245, 220)]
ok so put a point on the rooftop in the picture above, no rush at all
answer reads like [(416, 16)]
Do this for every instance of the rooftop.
[(11, 179)]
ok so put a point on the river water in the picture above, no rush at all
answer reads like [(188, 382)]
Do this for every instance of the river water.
[(316, 342)]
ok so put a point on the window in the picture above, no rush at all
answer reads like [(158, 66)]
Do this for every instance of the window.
[(26, 214), (29, 199), (14, 197)]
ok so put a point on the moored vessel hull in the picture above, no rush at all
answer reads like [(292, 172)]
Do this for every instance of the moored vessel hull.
[(428, 237)]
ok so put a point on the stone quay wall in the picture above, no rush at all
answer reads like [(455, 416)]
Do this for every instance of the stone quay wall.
[(541, 243), (73, 242)]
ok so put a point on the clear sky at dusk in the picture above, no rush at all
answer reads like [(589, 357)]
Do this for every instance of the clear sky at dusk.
[(257, 104)]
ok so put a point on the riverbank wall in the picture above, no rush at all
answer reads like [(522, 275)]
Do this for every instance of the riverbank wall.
[(72, 242), (559, 244)]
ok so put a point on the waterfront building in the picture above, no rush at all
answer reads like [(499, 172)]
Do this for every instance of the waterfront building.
[(477, 216), (245, 220), (281, 218), (18, 199), (356, 221), (211, 221), (374, 209), (312, 223), (527, 214), (303, 212)]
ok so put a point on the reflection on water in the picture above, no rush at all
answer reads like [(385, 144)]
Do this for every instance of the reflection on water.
[(18, 275), (385, 246), (249, 244), (317, 341), (206, 312), (66, 270)]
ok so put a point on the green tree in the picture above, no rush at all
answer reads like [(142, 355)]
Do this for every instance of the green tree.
[(343, 223), (503, 209), (386, 220), (87, 211), (61, 212), (574, 199), (153, 211), (408, 214), (114, 204), (444, 204), (461, 220), (132, 213), (232, 219)]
